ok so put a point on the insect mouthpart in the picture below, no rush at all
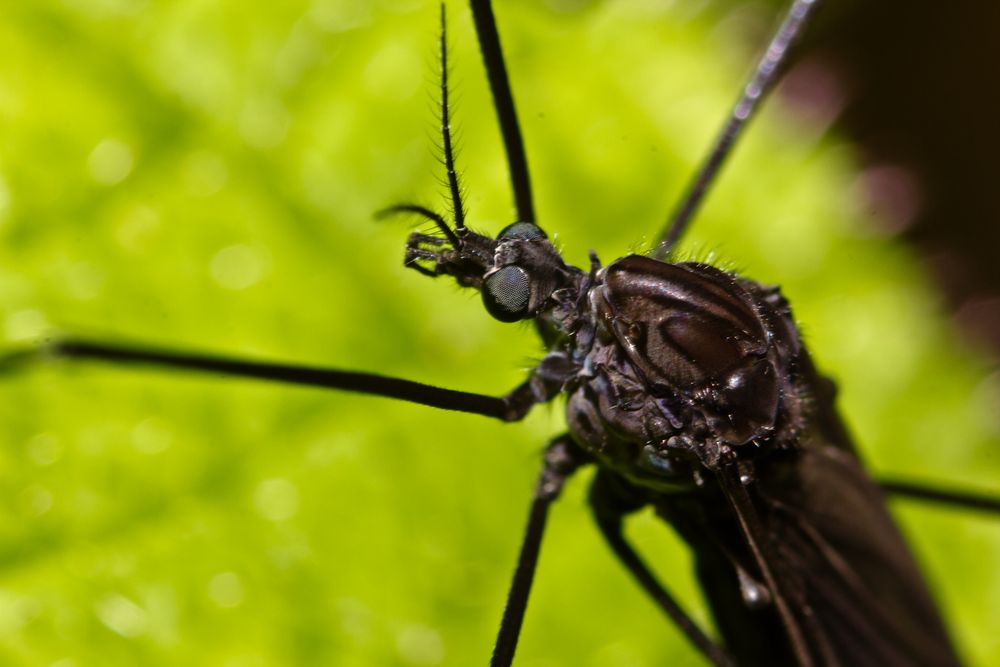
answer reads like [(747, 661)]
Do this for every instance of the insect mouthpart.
[(464, 254)]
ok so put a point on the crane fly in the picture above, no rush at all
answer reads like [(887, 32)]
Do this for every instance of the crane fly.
[(273, 498)]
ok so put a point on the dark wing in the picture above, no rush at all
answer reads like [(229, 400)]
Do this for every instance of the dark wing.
[(842, 563), (856, 595)]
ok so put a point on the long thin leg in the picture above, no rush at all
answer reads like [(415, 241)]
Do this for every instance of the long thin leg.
[(511, 407), (562, 459), (503, 101), (950, 497), (610, 502), (756, 88)]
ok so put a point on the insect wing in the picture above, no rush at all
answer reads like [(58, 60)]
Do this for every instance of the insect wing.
[(850, 575)]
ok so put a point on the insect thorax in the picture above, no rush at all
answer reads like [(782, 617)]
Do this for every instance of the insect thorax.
[(670, 368), (687, 367)]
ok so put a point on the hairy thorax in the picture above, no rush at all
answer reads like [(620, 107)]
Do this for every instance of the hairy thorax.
[(687, 368)]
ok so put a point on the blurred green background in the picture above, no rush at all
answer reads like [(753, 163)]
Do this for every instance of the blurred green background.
[(203, 175)]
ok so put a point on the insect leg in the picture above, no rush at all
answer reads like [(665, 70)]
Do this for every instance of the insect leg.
[(764, 76), (610, 500), (562, 458), (513, 406), (949, 497), (503, 101)]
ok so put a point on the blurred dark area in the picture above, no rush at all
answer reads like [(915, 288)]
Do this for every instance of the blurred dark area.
[(918, 82)]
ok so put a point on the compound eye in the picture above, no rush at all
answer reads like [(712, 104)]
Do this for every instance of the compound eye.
[(506, 293), (525, 231)]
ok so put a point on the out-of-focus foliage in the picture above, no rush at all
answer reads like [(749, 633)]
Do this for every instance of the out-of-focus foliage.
[(203, 175)]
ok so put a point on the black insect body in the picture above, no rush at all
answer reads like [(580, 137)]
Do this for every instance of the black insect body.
[(732, 406), (691, 390), (686, 360)]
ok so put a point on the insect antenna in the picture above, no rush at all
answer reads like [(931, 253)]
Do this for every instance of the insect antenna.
[(454, 187), (448, 148), (756, 88)]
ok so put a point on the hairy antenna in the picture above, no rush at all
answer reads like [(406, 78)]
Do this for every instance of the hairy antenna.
[(449, 151), (454, 187)]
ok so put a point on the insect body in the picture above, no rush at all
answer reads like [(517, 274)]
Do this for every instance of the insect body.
[(274, 499), (692, 390)]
